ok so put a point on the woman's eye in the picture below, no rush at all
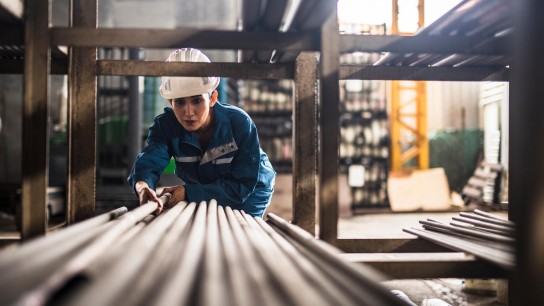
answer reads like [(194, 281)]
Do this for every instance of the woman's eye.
[(198, 101), (179, 102)]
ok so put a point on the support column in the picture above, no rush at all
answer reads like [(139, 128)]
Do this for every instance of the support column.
[(134, 112), (35, 114), (526, 159), (304, 141), (329, 129), (82, 118)]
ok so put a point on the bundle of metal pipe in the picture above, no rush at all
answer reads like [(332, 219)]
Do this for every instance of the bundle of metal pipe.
[(481, 234), (192, 254)]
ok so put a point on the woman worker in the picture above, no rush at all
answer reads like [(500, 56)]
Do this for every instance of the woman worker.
[(215, 147)]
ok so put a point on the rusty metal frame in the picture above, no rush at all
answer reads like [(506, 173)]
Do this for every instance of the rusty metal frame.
[(35, 114)]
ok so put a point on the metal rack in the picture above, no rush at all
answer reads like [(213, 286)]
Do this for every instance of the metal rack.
[(314, 28)]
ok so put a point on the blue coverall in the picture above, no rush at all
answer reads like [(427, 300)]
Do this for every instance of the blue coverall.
[(234, 170)]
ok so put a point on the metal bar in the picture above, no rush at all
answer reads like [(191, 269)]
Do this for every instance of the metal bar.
[(281, 267), (143, 290), (304, 141), (357, 281), (428, 265), (488, 220), (481, 229), (257, 272), (135, 107), (424, 44), (214, 290), (182, 37), (506, 230), (177, 285), (40, 294), (488, 215), (35, 114), (388, 245), (329, 130), (333, 294), (231, 70), (121, 274), (235, 264), (484, 73), (492, 237), (38, 246), (503, 259), (81, 182)]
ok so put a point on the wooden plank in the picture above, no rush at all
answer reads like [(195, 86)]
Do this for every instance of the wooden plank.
[(428, 265), (329, 130), (231, 70), (304, 141), (35, 115), (82, 119), (182, 37)]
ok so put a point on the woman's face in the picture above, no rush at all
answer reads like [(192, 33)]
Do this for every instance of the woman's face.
[(193, 113)]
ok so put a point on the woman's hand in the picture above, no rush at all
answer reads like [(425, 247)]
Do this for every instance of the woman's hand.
[(177, 192), (146, 194)]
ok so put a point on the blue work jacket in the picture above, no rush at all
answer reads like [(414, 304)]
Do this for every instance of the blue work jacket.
[(234, 170)]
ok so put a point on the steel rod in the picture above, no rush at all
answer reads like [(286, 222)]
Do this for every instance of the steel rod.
[(39, 295), (488, 215), (488, 220), (235, 264), (257, 272), (481, 229), (492, 237), (332, 293), (507, 230), (289, 276), (503, 259), (180, 281), (360, 274), (122, 273)]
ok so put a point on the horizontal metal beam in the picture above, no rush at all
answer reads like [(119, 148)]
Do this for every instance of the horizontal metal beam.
[(183, 37), (425, 44), (425, 73), (232, 70), (388, 245), (16, 66), (428, 265)]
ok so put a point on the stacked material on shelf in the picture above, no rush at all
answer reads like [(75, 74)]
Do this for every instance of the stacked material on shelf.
[(192, 254), (484, 235)]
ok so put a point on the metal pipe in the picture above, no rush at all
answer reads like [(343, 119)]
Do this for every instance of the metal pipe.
[(332, 293), (492, 237), (144, 288), (180, 281), (507, 230), (235, 264), (38, 295), (503, 259), (283, 269), (257, 272), (122, 273), (29, 249), (359, 274), (488, 220)]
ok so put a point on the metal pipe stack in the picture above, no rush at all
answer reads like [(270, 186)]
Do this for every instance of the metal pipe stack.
[(192, 254), (481, 234)]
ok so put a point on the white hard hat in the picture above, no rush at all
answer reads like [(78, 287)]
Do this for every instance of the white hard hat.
[(179, 87)]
